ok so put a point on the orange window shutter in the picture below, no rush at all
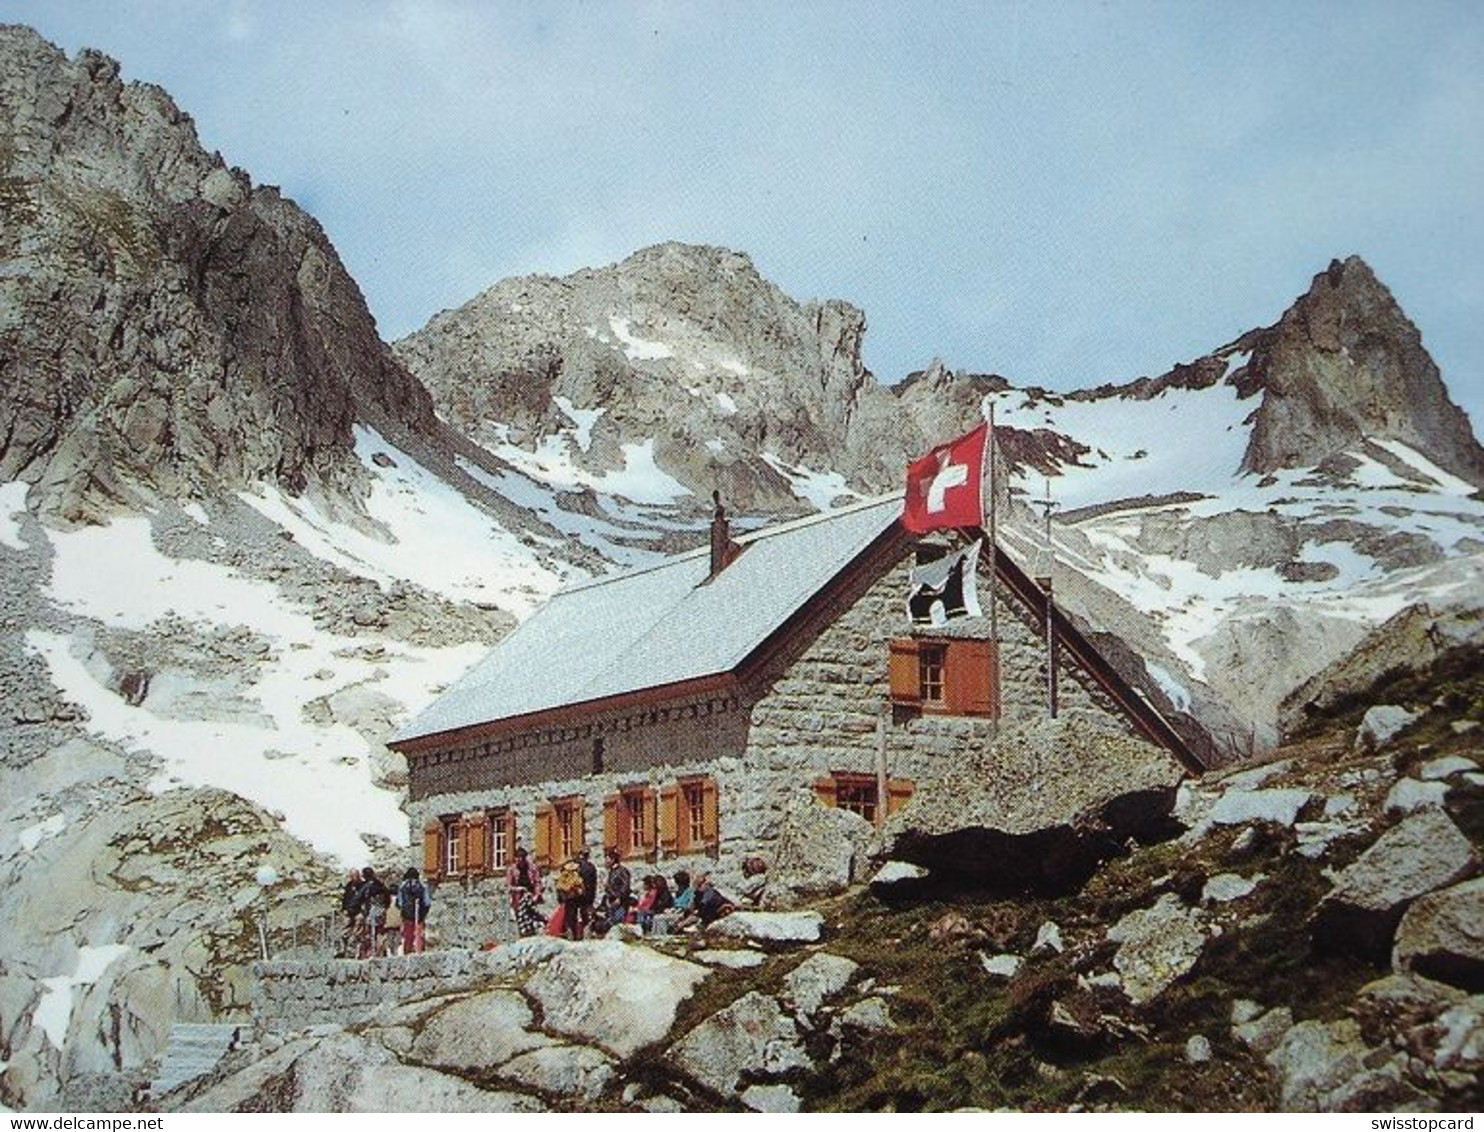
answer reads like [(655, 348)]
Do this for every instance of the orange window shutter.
[(579, 823), (824, 789), (901, 673), (898, 790), (610, 821), (433, 848), (969, 679), (710, 814), (545, 814), (651, 820), (669, 818), (476, 834)]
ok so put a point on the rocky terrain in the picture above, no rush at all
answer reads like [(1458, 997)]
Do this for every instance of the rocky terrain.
[(240, 541), (1306, 937)]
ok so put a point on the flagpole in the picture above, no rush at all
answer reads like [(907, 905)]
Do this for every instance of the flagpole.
[(994, 568)]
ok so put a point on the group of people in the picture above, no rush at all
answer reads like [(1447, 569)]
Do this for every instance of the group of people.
[(378, 918), (368, 904), (655, 909)]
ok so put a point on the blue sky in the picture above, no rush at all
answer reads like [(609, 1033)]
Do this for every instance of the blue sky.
[(1065, 193)]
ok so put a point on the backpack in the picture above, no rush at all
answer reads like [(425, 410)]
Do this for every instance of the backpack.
[(412, 900), (569, 885)]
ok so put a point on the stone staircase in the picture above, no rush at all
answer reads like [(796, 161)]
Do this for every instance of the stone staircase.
[(194, 1049)]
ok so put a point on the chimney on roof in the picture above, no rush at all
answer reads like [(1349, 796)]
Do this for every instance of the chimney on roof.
[(723, 550)]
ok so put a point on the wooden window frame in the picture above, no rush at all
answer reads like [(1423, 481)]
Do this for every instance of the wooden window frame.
[(451, 853), (932, 675), (501, 841), (689, 817), (844, 784), (968, 676)]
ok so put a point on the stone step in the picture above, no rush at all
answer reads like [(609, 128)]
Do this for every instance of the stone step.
[(193, 1050)]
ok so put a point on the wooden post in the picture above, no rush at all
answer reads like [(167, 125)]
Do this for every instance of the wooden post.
[(882, 799)]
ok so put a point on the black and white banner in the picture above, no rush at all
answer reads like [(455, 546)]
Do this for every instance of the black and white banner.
[(946, 589)]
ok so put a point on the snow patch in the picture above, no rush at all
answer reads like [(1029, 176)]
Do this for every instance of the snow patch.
[(12, 505), (436, 538), (728, 406), (637, 349), (584, 419), (196, 512), (1447, 482), (1178, 693), (822, 490), (53, 1014)]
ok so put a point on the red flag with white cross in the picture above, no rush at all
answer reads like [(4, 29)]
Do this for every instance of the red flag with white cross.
[(944, 488)]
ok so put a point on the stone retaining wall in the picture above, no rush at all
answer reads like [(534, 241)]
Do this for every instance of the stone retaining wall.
[(292, 994)]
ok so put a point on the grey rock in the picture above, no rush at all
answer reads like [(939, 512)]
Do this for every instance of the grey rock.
[(1441, 936), (1238, 807), (1048, 939), (1158, 945), (821, 851), (818, 979), (1226, 887), (773, 927), (1409, 795), (1381, 724), (568, 1071), (1244, 1010), (750, 1037), (1324, 1067), (619, 996), (1197, 1049), (1423, 852), (481, 1030), (1446, 767), (771, 1098), (1002, 966), (869, 1014), (736, 959)]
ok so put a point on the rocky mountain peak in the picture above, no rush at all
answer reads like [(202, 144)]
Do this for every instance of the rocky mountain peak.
[(1345, 365), (166, 328)]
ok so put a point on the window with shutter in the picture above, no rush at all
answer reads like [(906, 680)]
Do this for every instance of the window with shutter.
[(637, 814), (433, 849), (610, 822), (542, 847), (476, 839), (970, 678), (898, 791), (502, 840), (567, 831), (669, 819), (453, 846), (902, 673)]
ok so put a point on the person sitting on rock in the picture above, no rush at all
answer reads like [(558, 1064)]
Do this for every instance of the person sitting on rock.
[(675, 906), (754, 879), (711, 903)]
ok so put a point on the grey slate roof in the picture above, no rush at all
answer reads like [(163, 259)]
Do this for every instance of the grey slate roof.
[(658, 624)]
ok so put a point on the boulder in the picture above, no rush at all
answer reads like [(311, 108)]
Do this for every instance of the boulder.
[(1441, 936), (1239, 807), (736, 960), (1048, 939), (481, 1030), (899, 880), (821, 851), (1398, 1003), (771, 1098), (1381, 724), (771, 927), (1226, 887), (1446, 767), (869, 1014), (817, 979), (749, 1038), (1262, 1034), (1418, 855), (1004, 966), (620, 996), (568, 1071), (1157, 946), (1040, 808), (1409, 795), (1327, 1067), (1197, 1049)]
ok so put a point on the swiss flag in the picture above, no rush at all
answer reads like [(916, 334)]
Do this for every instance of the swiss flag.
[(943, 488)]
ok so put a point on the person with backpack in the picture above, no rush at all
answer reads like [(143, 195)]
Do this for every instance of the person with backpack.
[(589, 873), (413, 903), (569, 889), (373, 899)]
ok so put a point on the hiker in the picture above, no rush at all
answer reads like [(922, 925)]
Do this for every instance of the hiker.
[(711, 904), (412, 904), (373, 899), (589, 873), (350, 933), (569, 890), (618, 891), (524, 881)]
